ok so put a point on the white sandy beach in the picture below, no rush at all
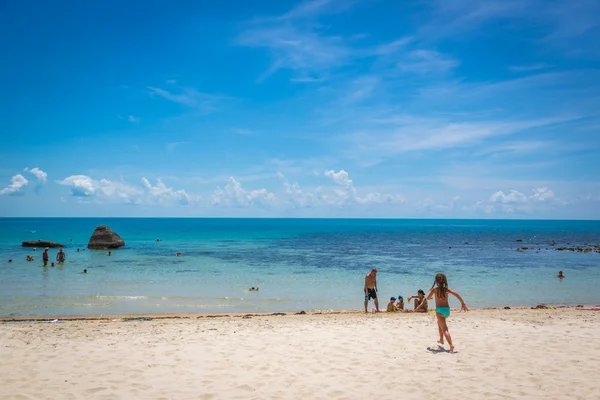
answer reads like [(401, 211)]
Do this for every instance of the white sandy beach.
[(501, 354)]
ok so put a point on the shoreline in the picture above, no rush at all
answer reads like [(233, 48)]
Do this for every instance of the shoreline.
[(225, 315)]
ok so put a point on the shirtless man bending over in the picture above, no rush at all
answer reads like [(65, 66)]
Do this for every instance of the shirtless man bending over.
[(371, 289)]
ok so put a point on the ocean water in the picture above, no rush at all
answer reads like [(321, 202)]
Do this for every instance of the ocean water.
[(299, 264)]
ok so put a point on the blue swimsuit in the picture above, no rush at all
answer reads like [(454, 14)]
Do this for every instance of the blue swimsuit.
[(445, 311)]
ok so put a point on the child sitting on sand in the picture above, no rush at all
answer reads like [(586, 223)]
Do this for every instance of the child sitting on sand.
[(391, 307), (440, 290), (400, 304)]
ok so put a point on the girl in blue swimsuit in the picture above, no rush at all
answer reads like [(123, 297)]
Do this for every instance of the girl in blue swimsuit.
[(442, 309)]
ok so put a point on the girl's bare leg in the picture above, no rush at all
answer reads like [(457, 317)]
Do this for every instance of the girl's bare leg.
[(441, 332), (444, 328)]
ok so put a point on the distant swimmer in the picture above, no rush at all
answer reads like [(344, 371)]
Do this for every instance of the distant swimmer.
[(78, 249), (178, 254), (109, 254), (45, 256), (52, 264), (560, 275), (61, 256), (10, 260), (85, 271), (29, 258), (159, 240), (253, 289)]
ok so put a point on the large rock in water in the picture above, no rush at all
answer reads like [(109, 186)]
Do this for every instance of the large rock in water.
[(41, 243), (104, 238)]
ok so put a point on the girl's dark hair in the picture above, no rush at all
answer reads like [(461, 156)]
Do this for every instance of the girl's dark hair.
[(442, 284)]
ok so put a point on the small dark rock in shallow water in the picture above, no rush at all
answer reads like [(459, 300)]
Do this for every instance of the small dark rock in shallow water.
[(104, 238), (519, 240), (41, 243), (301, 312), (507, 308), (579, 305)]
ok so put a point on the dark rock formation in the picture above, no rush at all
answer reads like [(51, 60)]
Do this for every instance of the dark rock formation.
[(41, 243), (540, 307), (104, 238)]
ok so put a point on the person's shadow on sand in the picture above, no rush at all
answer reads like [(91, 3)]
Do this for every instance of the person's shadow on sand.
[(439, 349)]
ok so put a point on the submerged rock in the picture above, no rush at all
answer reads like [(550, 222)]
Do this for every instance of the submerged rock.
[(41, 243), (104, 238)]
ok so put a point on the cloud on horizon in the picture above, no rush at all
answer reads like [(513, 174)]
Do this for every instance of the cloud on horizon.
[(16, 187)]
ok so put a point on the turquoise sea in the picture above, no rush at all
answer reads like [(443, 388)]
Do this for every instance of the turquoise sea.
[(299, 264)]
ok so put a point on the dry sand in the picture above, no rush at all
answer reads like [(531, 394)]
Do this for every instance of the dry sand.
[(501, 354)]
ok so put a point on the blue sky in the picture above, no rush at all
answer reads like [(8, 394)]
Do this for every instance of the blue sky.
[(323, 108)]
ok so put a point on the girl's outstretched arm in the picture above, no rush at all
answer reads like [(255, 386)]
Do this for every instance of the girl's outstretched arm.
[(430, 295), (462, 302)]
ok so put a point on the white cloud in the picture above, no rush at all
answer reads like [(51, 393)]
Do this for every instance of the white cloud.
[(341, 177), (378, 198), (294, 41), (426, 61), (204, 103), (515, 201), (350, 195), (41, 176), (394, 46), (313, 8), (306, 79), (527, 68), (512, 197), (235, 195), (102, 190), (16, 187), (310, 54), (565, 19), (81, 185), (161, 194), (409, 134), (298, 197), (131, 118), (543, 194), (105, 190), (118, 191)]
